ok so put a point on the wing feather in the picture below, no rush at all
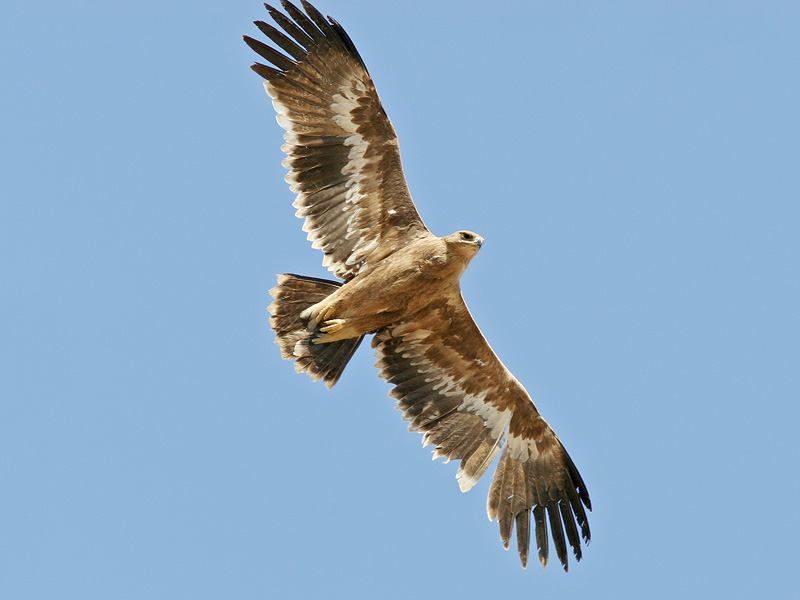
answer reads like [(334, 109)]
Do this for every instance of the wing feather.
[(342, 152), (523, 521), (290, 28), (452, 387), (541, 533), (286, 43), (557, 531), (568, 519), (273, 56)]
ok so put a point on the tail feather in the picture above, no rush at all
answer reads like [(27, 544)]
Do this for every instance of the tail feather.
[(295, 335)]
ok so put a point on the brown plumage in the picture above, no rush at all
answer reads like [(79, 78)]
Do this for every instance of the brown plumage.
[(401, 283)]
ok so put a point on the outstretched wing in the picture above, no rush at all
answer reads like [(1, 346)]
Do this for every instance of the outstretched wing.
[(343, 157), (451, 386)]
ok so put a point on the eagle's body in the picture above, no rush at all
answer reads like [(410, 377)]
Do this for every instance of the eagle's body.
[(401, 283), (424, 272)]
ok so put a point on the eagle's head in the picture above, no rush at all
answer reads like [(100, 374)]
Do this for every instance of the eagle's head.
[(469, 241), (464, 245)]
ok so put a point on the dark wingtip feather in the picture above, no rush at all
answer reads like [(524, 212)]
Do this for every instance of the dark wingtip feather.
[(585, 496), (266, 72), (272, 55), (317, 18), (346, 41), (286, 44), (289, 27), (569, 525), (557, 532), (306, 24), (541, 534), (523, 536)]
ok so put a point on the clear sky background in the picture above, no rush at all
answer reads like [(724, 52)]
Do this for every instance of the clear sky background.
[(635, 170)]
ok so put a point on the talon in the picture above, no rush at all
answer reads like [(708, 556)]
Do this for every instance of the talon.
[(332, 325)]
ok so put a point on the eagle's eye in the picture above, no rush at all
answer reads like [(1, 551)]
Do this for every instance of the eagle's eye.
[(467, 237)]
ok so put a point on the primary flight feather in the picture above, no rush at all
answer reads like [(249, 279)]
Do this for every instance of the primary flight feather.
[(400, 283)]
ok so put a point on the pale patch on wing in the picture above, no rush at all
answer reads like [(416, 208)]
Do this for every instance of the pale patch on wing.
[(496, 422), (522, 449)]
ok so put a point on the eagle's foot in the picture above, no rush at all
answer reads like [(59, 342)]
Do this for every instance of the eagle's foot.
[(332, 326), (317, 313), (333, 330)]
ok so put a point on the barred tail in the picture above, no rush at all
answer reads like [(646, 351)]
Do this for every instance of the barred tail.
[(295, 336)]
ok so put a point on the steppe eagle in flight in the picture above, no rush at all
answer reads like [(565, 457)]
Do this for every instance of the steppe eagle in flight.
[(401, 283)]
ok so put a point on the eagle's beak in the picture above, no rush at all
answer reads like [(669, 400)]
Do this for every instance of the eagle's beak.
[(479, 241)]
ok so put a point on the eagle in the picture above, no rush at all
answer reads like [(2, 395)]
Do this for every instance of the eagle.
[(399, 282)]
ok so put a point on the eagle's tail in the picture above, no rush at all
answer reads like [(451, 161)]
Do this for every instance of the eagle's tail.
[(295, 335)]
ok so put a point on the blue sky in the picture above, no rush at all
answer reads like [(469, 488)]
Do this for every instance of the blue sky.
[(635, 170)]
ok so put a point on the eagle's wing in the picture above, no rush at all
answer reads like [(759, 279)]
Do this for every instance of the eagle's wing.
[(343, 157), (451, 386)]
